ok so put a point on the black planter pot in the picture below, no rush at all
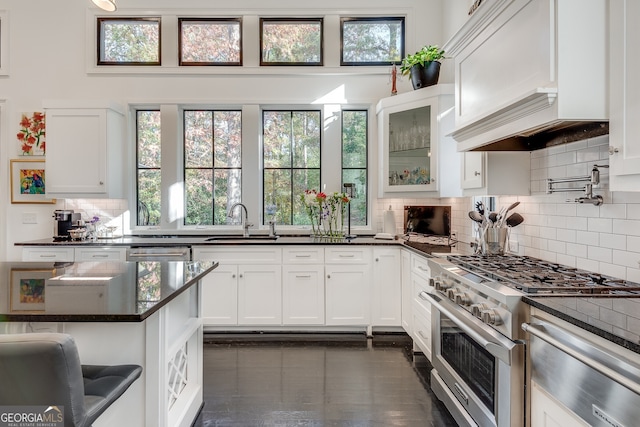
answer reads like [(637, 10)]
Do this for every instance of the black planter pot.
[(425, 76)]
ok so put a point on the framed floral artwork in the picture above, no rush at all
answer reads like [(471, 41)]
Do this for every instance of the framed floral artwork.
[(28, 289), (28, 182), (31, 135)]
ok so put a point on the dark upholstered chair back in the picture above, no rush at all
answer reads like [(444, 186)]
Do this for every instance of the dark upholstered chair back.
[(44, 369)]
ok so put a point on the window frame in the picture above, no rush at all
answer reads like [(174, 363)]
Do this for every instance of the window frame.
[(345, 19), (366, 166), (319, 20), (99, 33), (209, 64), (137, 111)]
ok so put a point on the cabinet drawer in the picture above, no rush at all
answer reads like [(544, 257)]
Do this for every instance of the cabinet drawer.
[(100, 254), (47, 254), (422, 333), (347, 255), (420, 266), (238, 254), (302, 255)]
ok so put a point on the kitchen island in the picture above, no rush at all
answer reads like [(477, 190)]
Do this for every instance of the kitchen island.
[(144, 313)]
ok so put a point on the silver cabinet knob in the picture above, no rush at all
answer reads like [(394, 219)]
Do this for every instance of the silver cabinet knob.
[(476, 173)]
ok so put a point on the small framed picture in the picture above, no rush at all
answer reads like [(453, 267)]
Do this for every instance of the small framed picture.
[(28, 289), (28, 184)]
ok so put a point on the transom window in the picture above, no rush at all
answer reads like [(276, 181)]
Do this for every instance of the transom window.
[(371, 41), (212, 165), (291, 41), (210, 41), (291, 160), (129, 41)]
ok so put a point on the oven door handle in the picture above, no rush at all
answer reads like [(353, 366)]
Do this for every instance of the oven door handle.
[(497, 345)]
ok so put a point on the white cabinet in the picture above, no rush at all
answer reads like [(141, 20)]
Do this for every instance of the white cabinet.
[(245, 289), (522, 66), (414, 148), (548, 412), (259, 295), (420, 275), (85, 150), (386, 305), (46, 254), (103, 253), (303, 294), (624, 126), (407, 300), (347, 285), (496, 173)]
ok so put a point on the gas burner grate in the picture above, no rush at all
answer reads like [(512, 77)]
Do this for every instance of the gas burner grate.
[(531, 275)]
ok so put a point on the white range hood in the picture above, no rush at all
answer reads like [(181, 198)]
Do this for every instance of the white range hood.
[(530, 73)]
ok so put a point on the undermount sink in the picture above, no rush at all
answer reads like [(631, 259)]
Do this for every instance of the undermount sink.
[(242, 238)]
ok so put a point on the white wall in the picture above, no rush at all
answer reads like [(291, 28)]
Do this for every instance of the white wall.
[(50, 44)]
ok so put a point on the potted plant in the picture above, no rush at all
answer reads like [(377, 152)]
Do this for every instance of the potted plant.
[(424, 66)]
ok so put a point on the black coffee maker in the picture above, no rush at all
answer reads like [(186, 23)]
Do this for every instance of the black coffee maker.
[(64, 220)]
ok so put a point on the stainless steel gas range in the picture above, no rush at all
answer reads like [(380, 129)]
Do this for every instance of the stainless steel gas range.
[(478, 342)]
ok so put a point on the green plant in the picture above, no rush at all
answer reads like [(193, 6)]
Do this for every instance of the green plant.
[(426, 54)]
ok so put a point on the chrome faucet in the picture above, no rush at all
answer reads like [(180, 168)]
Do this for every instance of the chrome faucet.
[(245, 218)]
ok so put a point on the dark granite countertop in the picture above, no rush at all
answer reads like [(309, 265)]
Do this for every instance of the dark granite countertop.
[(92, 291), (616, 319)]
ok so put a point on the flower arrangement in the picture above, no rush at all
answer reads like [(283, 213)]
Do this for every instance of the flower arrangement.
[(326, 212), (32, 134)]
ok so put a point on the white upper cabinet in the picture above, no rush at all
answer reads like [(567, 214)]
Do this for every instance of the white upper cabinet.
[(496, 173), (524, 66), (415, 153), (624, 128), (85, 156)]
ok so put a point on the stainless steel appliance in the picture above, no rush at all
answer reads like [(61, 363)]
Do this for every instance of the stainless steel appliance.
[(155, 253), (478, 342), (477, 355), (604, 388), (64, 220)]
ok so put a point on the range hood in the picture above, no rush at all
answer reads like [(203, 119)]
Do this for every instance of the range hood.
[(526, 77)]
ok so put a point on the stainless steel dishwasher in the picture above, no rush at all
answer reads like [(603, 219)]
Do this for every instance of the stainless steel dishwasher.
[(598, 385), (155, 253)]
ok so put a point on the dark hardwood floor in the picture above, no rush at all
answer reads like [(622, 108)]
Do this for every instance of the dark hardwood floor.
[(317, 380)]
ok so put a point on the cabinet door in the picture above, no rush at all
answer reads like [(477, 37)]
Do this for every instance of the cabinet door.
[(624, 96), (405, 261), (421, 316), (220, 296), (76, 151), (303, 295), (347, 294), (259, 295), (472, 170), (548, 412), (386, 309), (47, 254)]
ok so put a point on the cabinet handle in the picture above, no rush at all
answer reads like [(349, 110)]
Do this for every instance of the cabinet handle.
[(233, 276), (240, 276), (476, 173), (426, 270), (612, 150), (303, 256), (377, 259), (49, 256), (101, 183), (328, 276), (424, 337), (303, 276), (99, 256), (346, 255)]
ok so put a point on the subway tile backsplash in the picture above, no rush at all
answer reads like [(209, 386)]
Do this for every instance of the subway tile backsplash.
[(604, 239)]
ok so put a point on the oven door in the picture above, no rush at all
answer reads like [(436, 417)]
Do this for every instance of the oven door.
[(476, 369)]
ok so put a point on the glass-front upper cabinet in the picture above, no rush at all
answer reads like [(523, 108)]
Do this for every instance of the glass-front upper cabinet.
[(409, 134)]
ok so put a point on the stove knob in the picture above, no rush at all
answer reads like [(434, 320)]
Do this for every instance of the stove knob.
[(477, 309), (441, 285), (491, 317), (462, 299), (451, 294)]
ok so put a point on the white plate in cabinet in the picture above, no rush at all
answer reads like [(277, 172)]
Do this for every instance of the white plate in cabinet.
[(101, 254), (303, 255), (238, 254), (347, 255), (303, 294), (48, 254)]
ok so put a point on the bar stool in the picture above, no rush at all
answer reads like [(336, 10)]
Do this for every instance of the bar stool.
[(44, 369)]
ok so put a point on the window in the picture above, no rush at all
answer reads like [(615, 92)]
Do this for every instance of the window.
[(354, 161), (291, 41), (291, 161), (371, 41), (148, 182), (210, 41), (128, 41), (212, 165)]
